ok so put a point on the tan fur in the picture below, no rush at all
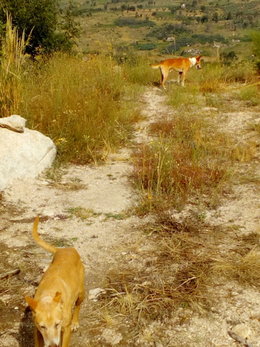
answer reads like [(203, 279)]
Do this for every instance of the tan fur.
[(181, 65), (58, 297)]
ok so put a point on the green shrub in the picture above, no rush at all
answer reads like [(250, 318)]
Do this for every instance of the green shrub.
[(133, 22)]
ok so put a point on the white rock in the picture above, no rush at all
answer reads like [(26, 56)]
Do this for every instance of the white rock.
[(93, 294), (242, 330), (14, 121), (23, 155)]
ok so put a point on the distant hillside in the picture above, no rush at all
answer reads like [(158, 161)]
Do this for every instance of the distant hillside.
[(167, 27)]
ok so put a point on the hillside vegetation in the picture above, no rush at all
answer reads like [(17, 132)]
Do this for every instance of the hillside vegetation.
[(180, 266)]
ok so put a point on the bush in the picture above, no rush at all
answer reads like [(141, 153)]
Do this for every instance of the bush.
[(166, 30), (145, 46), (133, 22), (41, 20)]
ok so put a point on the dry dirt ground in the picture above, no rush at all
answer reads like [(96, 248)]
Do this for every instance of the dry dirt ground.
[(88, 207)]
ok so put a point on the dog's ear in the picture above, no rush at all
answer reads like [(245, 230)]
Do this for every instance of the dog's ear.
[(31, 302), (57, 297)]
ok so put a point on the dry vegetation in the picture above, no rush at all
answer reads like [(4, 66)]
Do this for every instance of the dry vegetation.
[(190, 161)]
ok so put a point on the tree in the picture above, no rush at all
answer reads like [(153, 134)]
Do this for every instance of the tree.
[(40, 18)]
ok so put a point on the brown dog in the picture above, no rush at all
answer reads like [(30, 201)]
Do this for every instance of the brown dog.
[(58, 297), (181, 65)]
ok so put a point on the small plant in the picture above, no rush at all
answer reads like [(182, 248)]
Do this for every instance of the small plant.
[(82, 213)]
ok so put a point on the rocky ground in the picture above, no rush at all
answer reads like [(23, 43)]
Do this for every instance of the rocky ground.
[(89, 207)]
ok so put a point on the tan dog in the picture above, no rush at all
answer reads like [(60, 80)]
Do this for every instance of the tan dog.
[(181, 65), (58, 297)]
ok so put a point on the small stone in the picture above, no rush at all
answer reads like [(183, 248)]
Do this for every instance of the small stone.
[(112, 337), (242, 330), (93, 294)]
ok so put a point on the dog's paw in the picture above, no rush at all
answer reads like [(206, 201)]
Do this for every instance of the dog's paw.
[(74, 326)]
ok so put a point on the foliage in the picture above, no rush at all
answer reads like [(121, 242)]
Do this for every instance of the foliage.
[(148, 46), (40, 20), (167, 30), (133, 22), (255, 37), (228, 57)]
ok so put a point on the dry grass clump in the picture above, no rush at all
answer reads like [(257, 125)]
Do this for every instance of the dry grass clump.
[(215, 77), (11, 69), (185, 159), (79, 104), (172, 271), (171, 276), (243, 268), (250, 94), (243, 262)]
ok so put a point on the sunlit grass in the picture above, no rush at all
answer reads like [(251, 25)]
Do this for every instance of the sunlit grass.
[(11, 69), (80, 105), (185, 159)]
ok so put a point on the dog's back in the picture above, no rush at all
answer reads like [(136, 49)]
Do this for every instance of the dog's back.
[(173, 63)]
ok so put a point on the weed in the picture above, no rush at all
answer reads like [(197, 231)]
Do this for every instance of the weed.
[(243, 268), (186, 159), (82, 213), (250, 95), (117, 216)]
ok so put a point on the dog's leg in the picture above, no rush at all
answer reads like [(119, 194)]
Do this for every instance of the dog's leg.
[(183, 78), (75, 317), (164, 75), (66, 336), (179, 77)]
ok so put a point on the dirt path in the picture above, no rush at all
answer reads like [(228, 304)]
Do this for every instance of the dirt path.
[(87, 208)]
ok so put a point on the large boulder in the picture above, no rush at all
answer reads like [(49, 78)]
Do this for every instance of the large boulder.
[(24, 153)]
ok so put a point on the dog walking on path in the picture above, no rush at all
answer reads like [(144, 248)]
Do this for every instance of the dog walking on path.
[(58, 297)]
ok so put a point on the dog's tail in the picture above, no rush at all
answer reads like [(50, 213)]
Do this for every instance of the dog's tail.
[(38, 240), (155, 66)]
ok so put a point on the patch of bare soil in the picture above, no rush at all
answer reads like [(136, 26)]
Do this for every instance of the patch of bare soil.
[(89, 207)]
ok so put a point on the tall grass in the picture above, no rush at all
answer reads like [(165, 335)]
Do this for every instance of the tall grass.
[(11, 69), (81, 105)]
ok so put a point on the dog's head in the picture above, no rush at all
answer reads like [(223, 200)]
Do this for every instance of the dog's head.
[(48, 318), (197, 64)]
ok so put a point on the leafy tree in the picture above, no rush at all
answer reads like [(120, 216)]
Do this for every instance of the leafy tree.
[(40, 18)]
